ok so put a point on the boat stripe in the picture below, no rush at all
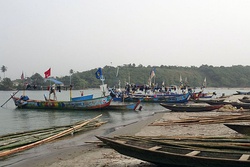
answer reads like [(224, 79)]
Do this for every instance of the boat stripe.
[(155, 148), (193, 153)]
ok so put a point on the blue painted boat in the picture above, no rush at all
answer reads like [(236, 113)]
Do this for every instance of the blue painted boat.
[(162, 99), (95, 103), (81, 98)]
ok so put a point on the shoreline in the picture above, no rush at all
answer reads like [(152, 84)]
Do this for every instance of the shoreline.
[(77, 152)]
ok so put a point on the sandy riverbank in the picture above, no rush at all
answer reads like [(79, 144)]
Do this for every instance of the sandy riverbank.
[(91, 155)]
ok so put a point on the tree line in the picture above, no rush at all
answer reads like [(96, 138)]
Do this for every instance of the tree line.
[(234, 76)]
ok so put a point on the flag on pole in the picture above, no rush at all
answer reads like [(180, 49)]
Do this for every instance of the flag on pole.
[(181, 83), (47, 73), (22, 76), (204, 83), (117, 72), (152, 73), (98, 73)]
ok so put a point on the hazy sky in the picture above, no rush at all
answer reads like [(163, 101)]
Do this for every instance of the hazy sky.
[(86, 34)]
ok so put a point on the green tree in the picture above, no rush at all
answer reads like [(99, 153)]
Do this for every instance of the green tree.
[(4, 69), (6, 84)]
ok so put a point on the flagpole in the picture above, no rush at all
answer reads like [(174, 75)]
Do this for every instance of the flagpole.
[(23, 89), (102, 79), (22, 78)]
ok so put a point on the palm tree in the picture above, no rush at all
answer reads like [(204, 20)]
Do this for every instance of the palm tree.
[(4, 69), (71, 71)]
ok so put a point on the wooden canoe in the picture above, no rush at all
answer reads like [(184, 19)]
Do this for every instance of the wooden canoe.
[(95, 103), (242, 129), (162, 99), (168, 154), (123, 106), (244, 100), (190, 107)]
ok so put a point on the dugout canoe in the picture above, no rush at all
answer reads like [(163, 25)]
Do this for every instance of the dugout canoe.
[(123, 106), (240, 128), (167, 154), (190, 107)]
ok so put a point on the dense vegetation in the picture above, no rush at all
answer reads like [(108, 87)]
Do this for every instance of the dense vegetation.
[(234, 76)]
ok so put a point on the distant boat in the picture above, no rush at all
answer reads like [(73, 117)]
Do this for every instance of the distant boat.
[(245, 100), (95, 103), (242, 93), (161, 99), (123, 106), (190, 107)]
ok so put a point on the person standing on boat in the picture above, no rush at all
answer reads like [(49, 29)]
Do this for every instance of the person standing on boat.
[(53, 91)]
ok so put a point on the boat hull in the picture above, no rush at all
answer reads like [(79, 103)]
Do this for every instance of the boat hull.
[(176, 156), (95, 103), (123, 106), (190, 108), (163, 99), (242, 129)]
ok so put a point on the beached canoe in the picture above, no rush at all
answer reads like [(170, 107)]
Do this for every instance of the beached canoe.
[(242, 129), (185, 154), (95, 103), (190, 107)]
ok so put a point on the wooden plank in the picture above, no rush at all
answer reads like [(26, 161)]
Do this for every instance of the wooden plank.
[(63, 133), (193, 153), (155, 148), (244, 157)]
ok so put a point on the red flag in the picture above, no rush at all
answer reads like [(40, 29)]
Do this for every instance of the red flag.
[(22, 77), (47, 73)]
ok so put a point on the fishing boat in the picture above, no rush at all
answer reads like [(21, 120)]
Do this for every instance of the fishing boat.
[(216, 101), (240, 128), (245, 100), (181, 152), (239, 105), (242, 93), (190, 107), (94, 103), (183, 98), (123, 106), (202, 95)]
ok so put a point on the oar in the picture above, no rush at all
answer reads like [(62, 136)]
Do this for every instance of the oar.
[(9, 98)]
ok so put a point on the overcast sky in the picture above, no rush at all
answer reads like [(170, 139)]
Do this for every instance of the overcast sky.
[(86, 34)]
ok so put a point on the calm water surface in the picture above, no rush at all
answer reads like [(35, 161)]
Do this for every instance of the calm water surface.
[(16, 120)]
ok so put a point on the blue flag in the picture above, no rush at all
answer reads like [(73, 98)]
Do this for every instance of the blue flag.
[(98, 73)]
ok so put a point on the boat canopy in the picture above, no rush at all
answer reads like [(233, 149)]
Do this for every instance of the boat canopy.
[(54, 80)]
